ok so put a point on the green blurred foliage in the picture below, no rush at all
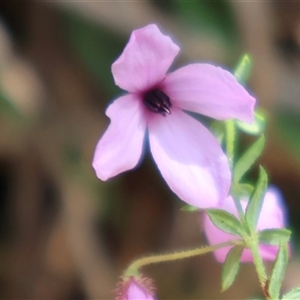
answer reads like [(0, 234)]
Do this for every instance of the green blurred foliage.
[(215, 17), (288, 122), (97, 47), (8, 108)]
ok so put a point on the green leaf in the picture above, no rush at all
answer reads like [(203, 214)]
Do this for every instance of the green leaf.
[(274, 236), (255, 128), (294, 294), (256, 200), (225, 221), (231, 267), (243, 69), (189, 208), (248, 159), (278, 271), (242, 190)]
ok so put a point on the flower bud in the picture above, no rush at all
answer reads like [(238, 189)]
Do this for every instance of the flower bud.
[(271, 216), (135, 288)]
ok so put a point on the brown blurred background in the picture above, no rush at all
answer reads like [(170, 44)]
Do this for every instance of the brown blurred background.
[(64, 234)]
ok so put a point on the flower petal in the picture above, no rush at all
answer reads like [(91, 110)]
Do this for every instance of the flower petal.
[(120, 147), (189, 158), (273, 210), (211, 91), (145, 59)]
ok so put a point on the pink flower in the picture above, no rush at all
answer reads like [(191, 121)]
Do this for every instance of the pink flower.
[(135, 288), (271, 216), (186, 153)]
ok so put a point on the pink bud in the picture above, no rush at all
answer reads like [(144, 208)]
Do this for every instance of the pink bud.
[(135, 287), (271, 216)]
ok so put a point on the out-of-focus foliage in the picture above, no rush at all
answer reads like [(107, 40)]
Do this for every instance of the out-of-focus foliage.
[(97, 46), (212, 17), (7, 106), (288, 122)]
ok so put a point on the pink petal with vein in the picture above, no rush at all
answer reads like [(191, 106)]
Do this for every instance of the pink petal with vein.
[(211, 91), (145, 59), (120, 147), (190, 159)]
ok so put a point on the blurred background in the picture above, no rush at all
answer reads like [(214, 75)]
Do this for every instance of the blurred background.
[(64, 234)]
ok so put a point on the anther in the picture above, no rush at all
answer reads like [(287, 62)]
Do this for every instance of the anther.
[(157, 101)]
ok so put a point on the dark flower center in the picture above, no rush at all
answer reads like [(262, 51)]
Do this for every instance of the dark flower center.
[(157, 101)]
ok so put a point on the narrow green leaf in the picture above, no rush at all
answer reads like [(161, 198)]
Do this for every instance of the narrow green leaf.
[(255, 128), (248, 159), (242, 190), (294, 294), (225, 221), (278, 271), (256, 200), (274, 236), (231, 267), (189, 208), (243, 69)]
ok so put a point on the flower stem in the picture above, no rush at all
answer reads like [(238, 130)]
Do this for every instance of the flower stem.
[(230, 140), (230, 134), (260, 268), (133, 268)]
